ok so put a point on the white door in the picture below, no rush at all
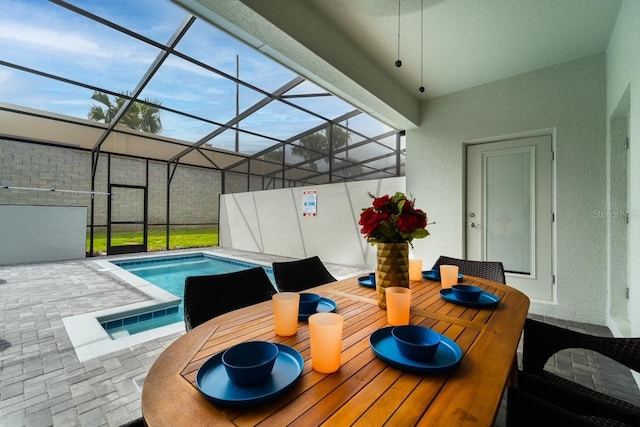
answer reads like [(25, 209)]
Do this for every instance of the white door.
[(509, 210)]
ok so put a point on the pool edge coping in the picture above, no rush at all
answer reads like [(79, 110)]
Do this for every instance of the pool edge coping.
[(90, 340)]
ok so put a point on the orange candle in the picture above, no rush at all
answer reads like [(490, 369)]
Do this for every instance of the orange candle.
[(398, 305), (325, 334), (415, 270), (285, 313), (448, 275)]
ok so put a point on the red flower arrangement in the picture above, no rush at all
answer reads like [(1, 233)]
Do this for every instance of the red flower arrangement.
[(393, 219)]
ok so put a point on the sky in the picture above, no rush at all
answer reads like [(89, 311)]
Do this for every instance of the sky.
[(44, 36)]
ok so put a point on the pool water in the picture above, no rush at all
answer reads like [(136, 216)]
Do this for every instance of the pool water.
[(169, 273)]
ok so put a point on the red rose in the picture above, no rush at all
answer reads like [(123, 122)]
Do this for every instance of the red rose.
[(365, 216), (369, 220), (379, 202), (423, 218), (408, 222)]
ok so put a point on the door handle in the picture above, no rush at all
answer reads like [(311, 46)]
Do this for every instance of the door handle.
[(474, 225)]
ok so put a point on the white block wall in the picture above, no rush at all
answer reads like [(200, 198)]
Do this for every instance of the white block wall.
[(271, 222)]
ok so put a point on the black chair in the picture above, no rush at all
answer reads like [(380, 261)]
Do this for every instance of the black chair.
[(296, 276), (542, 340), (206, 297), (491, 270), (139, 422), (526, 410)]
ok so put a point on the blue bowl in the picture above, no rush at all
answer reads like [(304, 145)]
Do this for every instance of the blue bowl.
[(308, 303), (416, 342), (466, 292), (250, 362), (372, 277)]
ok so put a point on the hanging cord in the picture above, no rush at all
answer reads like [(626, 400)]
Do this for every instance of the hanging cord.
[(421, 88), (398, 62)]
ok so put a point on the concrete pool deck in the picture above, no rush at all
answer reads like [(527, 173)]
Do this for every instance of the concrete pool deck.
[(89, 338), (44, 383)]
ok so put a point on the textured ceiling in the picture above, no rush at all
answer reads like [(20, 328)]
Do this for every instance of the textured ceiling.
[(471, 42)]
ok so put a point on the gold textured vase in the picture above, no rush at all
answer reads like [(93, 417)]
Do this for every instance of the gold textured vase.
[(392, 269)]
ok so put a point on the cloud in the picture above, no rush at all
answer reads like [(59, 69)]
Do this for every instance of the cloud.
[(50, 41), (6, 76), (72, 102), (178, 64)]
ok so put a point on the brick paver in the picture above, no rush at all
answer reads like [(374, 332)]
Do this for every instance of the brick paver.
[(42, 383)]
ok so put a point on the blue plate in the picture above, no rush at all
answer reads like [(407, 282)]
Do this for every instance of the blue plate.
[(366, 282), (214, 383), (325, 305), (384, 346), (486, 299), (435, 275)]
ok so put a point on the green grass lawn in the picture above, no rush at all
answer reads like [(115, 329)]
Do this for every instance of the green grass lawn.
[(156, 240)]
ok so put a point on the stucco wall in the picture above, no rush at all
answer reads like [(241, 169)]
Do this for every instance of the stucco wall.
[(623, 77), (41, 233), (570, 100), (272, 222)]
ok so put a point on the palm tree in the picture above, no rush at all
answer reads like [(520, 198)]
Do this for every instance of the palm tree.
[(141, 116), (149, 118), (100, 114)]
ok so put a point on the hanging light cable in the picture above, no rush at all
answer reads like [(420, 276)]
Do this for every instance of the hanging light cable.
[(398, 62), (421, 88)]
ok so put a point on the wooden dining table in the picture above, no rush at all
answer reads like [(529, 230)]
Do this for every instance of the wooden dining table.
[(365, 390)]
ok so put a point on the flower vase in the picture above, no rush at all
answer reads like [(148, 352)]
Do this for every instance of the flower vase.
[(392, 269)]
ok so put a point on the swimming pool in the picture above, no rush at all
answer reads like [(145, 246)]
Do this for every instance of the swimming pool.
[(169, 274)]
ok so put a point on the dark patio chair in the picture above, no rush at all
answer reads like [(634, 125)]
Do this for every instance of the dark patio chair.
[(206, 297), (526, 410), (491, 270), (542, 340), (298, 275), (139, 422)]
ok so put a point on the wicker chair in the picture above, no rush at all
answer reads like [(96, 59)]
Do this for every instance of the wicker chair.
[(526, 410), (491, 270), (296, 276), (139, 422), (542, 340), (206, 297)]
